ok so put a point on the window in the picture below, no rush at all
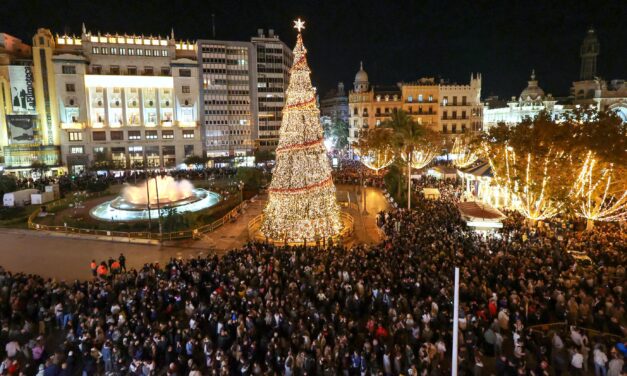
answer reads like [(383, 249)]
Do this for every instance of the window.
[(410, 99), (99, 136), (95, 50), (114, 69), (117, 135), (105, 50), (134, 135), (96, 69), (99, 149), (70, 88), (148, 52), (454, 128), (188, 150), (419, 97), (185, 89), (132, 70), (164, 53), (167, 134), (165, 71), (185, 72), (444, 128), (140, 52), (148, 71), (151, 135), (131, 51), (378, 122), (122, 50), (75, 136), (77, 149), (454, 100), (430, 98), (114, 50), (68, 69), (464, 100), (463, 114), (188, 133), (454, 114)]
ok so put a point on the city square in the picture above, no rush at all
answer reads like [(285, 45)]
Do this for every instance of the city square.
[(206, 196)]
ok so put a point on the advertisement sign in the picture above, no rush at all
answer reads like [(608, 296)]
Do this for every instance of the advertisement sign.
[(21, 128), (22, 94)]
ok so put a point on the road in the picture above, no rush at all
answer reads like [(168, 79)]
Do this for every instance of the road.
[(60, 257)]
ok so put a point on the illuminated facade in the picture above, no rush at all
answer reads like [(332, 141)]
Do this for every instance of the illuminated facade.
[(529, 103), (28, 107), (447, 108), (334, 105), (130, 101)]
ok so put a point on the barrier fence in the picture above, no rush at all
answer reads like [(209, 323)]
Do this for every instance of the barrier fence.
[(141, 235), (591, 333)]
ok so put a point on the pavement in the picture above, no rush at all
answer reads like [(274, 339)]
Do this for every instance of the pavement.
[(63, 257)]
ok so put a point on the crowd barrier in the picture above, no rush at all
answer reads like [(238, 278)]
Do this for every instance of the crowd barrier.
[(562, 326)]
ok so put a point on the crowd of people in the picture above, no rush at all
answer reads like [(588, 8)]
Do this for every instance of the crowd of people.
[(368, 310), (354, 172)]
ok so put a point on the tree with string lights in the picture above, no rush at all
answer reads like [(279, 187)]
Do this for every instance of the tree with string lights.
[(374, 150), (301, 198)]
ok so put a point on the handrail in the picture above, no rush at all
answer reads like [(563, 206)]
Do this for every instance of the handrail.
[(174, 235)]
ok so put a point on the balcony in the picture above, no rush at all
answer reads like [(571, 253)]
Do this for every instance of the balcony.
[(73, 125)]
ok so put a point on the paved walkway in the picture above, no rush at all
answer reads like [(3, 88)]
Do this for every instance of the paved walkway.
[(57, 256)]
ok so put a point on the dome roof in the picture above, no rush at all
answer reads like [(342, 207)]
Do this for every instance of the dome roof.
[(361, 76), (532, 91)]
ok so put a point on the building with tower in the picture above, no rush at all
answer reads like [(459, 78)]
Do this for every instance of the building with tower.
[(531, 101), (448, 108), (593, 91)]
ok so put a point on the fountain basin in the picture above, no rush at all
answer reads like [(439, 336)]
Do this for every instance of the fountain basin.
[(121, 210)]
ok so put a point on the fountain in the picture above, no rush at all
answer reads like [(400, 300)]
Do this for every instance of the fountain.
[(142, 202)]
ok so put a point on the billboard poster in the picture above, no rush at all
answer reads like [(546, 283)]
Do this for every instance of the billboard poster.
[(22, 94), (21, 128)]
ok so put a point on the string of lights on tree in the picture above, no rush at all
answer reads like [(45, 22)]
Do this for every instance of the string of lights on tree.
[(464, 153), (301, 199)]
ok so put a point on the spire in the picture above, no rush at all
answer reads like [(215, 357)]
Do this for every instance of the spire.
[(172, 33), (533, 75), (361, 65), (84, 29)]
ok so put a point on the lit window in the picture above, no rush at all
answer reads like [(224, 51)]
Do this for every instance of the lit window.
[(114, 50), (167, 135), (188, 133), (75, 136), (122, 50), (77, 150), (151, 135), (95, 50), (131, 51), (134, 135), (140, 52), (419, 97), (410, 99), (164, 53)]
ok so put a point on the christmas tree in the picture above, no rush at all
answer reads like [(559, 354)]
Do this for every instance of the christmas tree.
[(301, 203)]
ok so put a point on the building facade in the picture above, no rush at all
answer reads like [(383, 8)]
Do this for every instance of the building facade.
[(28, 104), (448, 108), (531, 101), (334, 105), (273, 62), (130, 101)]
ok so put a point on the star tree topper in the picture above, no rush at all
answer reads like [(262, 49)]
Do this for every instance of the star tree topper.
[(299, 25)]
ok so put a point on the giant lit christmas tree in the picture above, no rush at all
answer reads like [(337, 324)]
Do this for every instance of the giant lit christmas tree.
[(301, 203)]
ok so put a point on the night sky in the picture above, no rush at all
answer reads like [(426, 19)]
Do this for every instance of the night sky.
[(397, 40)]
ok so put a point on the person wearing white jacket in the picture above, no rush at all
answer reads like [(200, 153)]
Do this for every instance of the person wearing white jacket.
[(600, 360)]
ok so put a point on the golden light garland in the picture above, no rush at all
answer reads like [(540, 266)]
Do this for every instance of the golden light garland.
[(592, 196), (421, 158), (301, 198), (465, 155), (375, 159)]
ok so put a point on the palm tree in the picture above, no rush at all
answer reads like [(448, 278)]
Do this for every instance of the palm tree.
[(410, 139)]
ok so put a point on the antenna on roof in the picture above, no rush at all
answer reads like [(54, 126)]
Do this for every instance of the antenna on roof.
[(213, 25)]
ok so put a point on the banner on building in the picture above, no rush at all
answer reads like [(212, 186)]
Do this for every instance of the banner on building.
[(21, 128), (22, 93)]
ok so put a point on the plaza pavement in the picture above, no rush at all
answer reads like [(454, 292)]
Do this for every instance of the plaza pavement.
[(68, 258)]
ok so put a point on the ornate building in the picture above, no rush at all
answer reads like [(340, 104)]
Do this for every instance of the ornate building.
[(531, 101), (448, 108), (129, 100), (594, 91)]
